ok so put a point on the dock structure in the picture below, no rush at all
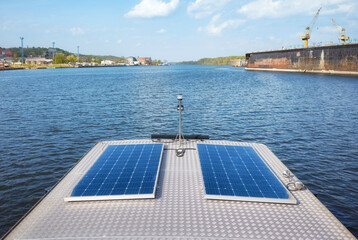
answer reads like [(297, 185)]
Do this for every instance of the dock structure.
[(332, 60), (179, 209)]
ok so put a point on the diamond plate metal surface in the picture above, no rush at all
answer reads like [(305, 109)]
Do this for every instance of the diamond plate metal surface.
[(179, 209)]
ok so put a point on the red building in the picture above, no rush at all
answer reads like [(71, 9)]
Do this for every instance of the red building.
[(9, 53), (144, 60)]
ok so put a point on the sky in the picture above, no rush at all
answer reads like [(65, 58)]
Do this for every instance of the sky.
[(173, 30)]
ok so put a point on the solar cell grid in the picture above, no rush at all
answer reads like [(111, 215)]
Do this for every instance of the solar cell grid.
[(239, 173), (122, 170)]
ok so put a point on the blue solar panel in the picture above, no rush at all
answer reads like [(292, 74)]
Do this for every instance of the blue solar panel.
[(238, 171), (122, 170)]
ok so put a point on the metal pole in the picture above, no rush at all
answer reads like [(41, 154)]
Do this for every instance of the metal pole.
[(22, 49), (180, 123), (53, 51), (180, 151)]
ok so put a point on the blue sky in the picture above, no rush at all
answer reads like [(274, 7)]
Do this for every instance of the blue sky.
[(172, 30)]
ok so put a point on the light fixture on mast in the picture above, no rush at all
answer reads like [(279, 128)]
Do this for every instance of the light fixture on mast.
[(53, 51), (180, 151), (22, 50)]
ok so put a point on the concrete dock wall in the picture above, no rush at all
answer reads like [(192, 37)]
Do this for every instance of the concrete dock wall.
[(325, 72), (324, 59)]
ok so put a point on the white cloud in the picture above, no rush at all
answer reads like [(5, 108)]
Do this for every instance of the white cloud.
[(50, 31), (282, 8), (205, 8), (7, 25), (329, 29), (299, 34), (343, 8), (106, 41), (77, 31), (153, 8), (161, 31), (119, 41), (215, 28)]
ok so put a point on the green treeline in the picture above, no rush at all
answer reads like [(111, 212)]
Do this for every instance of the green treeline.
[(214, 61), (48, 52), (38, 51)]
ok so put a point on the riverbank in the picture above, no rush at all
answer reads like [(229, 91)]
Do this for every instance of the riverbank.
[(8, 68), (52, 66), (31, 66), (325, 72)]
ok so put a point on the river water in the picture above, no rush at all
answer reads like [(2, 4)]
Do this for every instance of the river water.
[(51, 117)]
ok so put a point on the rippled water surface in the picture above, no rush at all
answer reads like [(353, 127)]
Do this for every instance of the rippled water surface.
[(51, 117)]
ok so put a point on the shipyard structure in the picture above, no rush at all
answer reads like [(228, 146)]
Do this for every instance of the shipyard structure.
[(336, 59)]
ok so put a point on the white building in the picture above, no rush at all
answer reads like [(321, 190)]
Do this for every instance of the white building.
[(38, 61), (132, 61), (107, 62)]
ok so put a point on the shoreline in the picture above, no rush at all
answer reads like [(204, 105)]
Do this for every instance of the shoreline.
[(7, 69), (58, 67), (324, 72)]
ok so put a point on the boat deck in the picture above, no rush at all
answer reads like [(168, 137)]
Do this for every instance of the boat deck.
[(179, 209)]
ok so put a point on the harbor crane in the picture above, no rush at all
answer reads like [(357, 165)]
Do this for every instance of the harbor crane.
[(341, 32), (309, 29)]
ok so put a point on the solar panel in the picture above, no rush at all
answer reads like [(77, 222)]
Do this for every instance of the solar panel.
[(121, 172), (239, 173)]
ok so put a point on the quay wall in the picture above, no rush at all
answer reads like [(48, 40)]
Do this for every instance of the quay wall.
[(337, 59)]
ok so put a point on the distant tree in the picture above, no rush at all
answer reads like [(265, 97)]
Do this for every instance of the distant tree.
[(156, 62), (122, 60), (47, 52), (71, 58), (98, 60), (15, 58), (60, 58), (88, 59)]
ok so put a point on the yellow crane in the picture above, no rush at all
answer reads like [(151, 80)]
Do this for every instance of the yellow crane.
[(309, 29), (341, 32)]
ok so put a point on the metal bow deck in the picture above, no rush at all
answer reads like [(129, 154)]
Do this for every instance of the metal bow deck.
[(179, 209)]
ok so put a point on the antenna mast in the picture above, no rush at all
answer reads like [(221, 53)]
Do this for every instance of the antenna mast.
[(53, 51), (22, 50), (180, 151)]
